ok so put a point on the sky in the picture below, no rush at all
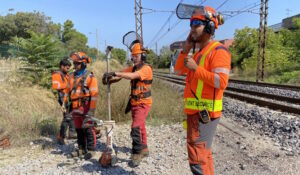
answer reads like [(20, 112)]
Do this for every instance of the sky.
[(114, 18)]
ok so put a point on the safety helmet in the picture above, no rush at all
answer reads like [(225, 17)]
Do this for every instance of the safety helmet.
[(207, 14), (137, 49), (81, 57)]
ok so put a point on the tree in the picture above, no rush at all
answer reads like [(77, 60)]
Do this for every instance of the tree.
[(74, 40), (41, 53), (17, 25), (151, 57), (68, 28), (164, 59), (119, 54)]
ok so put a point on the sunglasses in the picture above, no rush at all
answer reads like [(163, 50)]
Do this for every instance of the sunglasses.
[(196, 23), (76, 63)]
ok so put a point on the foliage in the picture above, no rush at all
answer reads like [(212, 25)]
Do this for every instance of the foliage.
[(151, 58), (17, 24), (41, 53), (282, 53), (119, 54), (164, 60), (74, 40)]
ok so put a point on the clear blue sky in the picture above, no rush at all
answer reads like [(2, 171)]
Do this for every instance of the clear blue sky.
[(114, 18)]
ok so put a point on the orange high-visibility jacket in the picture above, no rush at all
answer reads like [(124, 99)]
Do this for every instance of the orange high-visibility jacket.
[(59, 80), (141, 88), (59, 83), (82, 90), (204, 87)]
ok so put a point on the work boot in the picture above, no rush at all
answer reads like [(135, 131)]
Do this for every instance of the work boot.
[(60, 140), (72, 135), (78, 153), (136, 160), (89, 155), (145, 152)]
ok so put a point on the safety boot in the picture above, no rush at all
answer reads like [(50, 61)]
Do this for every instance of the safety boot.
[(72, 135), (89, 155), (78, 153), (136, 160), (145, 152), (60, 140)]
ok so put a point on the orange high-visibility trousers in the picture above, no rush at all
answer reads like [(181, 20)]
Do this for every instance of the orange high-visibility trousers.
[(199, 141)]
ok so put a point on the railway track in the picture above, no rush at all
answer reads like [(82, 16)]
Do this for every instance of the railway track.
[(275, 102)]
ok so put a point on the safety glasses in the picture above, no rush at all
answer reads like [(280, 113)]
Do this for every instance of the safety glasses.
[(76, 63), (196, 22)]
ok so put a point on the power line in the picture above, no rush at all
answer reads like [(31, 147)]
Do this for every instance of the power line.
[(162, 27), (222, 4), (155, 11), (169, 29), (248, 8)]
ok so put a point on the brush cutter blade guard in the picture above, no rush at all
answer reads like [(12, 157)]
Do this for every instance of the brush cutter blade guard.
[(131, 38)]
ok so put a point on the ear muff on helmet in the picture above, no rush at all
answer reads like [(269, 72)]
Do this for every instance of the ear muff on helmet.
[(210, 27), (143, 56)]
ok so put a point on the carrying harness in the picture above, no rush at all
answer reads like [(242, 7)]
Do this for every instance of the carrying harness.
[(134, 86), (83, 89)]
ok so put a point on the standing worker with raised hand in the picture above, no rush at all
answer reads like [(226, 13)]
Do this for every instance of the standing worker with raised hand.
[(140, 99), (83, 93), (60, 80), (207, 77)]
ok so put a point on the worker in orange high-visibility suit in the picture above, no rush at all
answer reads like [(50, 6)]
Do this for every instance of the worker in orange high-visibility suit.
[(207, 77), (83, 93), (60, 80), (140, 102)]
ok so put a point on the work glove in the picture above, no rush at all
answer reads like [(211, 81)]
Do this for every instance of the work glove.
[(68, 117), (63, 108), (107, 76)]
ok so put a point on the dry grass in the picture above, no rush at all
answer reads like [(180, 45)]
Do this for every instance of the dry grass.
[(167, 104), (28, 112)]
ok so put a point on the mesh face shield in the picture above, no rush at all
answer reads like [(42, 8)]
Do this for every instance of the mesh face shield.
[(186, 11), (130, 38)]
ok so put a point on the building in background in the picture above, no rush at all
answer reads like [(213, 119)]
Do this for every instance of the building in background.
[(286, 23)]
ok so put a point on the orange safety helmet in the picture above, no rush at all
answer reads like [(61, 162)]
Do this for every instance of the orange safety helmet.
[(208, 14), (81, 57), (137, 49)]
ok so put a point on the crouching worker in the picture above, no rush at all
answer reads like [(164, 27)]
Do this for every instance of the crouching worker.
[(140, 99), (60, 80), (83, 93)]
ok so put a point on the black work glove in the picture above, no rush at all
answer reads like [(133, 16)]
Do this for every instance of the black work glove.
[(68, 116), (107, 76)]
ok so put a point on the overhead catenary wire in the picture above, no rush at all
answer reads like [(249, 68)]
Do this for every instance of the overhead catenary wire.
[(162, 27), (248, 8), (169, 29), (222, 4)]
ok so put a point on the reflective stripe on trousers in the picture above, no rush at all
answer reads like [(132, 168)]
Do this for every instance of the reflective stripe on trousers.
[(199, 141)]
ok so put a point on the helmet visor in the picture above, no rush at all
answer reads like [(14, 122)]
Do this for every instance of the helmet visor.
[(186, 11), (130, 38)]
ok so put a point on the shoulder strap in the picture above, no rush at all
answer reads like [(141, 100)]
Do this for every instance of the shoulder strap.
[(83, 80)]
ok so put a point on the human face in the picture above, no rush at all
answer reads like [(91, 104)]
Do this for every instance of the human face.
[(65, 69), (136, 59), (197, 29), (77, 65)]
